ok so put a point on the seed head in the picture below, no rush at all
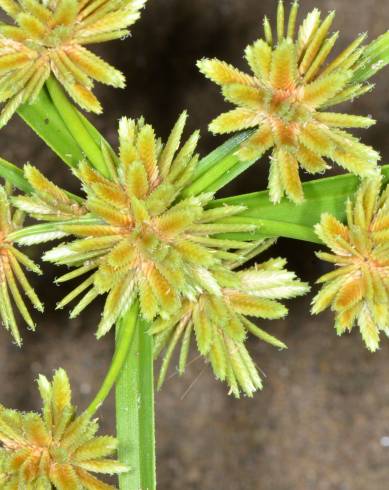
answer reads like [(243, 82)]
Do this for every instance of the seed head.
[(220, 323), (285, 102), (140, 238), (49, 37), (55, 449), (358, 289)]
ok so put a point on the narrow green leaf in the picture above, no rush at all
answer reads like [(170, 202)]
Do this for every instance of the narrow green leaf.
[(229, 175), (296, 220), (47, 123), (216, 164), (269, 228), (374, 58), (81, 131), (14, 175)]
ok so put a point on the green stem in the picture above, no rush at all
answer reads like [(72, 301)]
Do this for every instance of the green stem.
[(135, 410), (147, 408), (125, 336), (75, 124)]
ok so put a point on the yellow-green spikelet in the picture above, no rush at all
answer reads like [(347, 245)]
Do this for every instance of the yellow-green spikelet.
[(220, 322)]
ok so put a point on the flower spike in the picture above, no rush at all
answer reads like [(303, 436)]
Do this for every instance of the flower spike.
[(49, 38), (286, 99), (48, 202), (12, 277), (220, 321), (140, 238), (55, 449), (358, 289)]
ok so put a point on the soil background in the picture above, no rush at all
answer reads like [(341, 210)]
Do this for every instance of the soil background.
[(322, 420)]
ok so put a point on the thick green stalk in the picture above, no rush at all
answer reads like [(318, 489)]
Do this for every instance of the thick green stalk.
[(76, 125), (135, 410), (124, 337)]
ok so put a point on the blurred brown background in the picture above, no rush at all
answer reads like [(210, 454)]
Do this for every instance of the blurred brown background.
[(322, 420)]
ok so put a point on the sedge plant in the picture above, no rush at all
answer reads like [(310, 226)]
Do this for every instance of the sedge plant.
[(176, 265)]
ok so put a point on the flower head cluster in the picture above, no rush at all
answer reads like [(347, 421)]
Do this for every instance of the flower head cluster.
[(358, 289), (219, 320), (12, 276), (140, 238), (286, 101), (56, 449), (49, 37)]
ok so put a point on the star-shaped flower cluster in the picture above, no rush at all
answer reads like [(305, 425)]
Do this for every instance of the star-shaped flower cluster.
[(285, 101), (12, 276), (219, 320), (140, 238), (358, 289), (50, 37), (55, 449)]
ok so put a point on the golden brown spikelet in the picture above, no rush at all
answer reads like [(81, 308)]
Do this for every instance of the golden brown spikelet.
[(49, 38), (55, 449), (285, 101), (12, 277), (358, 289)]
